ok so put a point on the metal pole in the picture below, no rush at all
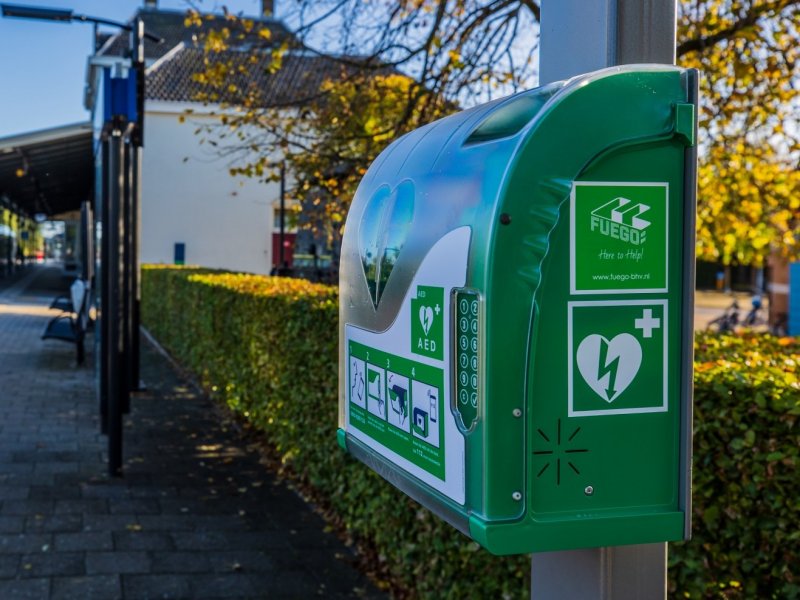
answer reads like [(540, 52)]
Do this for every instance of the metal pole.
[(104, 319), (137, 44), (282, 236), (112, 313), (125, 266), (136, 289), (578, 36)]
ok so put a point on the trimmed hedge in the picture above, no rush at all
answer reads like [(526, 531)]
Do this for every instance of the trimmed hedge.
[(746, 482), (268, 348)]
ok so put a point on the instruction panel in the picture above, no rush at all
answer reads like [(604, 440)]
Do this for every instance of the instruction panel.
[(398, 396), (397, 402)]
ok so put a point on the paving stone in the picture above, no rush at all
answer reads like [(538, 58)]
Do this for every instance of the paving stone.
[(100, 490), (27, 507), (53, 468), (29, 479), (95, 506), (98, 587), (138, 506), (25, 589), (12, 524), (9, 565), (95, 522), (181, 562), (234, 561), (17, 468), (100, 563), (86, 541), (48, 454), (155, 586), (170, 523), (244, 585), (51, 492), (220, 540), (14, 492), (24, 542), (53, 523), (143, 540), (50, 564)]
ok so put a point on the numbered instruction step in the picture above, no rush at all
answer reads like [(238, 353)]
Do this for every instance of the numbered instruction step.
[(397, 402)]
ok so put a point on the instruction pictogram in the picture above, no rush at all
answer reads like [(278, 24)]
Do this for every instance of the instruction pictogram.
[(376, 392), (357, 383), (399, 400), (425, 412)]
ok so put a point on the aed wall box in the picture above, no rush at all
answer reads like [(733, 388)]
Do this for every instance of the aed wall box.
[(516, 299)]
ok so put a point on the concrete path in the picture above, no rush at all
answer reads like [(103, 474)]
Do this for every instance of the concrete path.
[(196, 515)]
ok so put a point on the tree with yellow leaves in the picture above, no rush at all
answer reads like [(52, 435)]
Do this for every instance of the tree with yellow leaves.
[(748, 184), (392, 66)]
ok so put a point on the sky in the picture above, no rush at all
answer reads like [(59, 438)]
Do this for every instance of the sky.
[(43, 63)]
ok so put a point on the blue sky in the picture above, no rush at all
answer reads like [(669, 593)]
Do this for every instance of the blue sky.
[(43, 64)]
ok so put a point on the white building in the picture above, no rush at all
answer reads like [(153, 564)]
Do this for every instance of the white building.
[(191, 207)]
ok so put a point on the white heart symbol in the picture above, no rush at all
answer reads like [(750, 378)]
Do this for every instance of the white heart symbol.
[(426, 318), (609, 366)]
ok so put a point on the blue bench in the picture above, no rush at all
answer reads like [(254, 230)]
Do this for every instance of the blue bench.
[(72, 323)]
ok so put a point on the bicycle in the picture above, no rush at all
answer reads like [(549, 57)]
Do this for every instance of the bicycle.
[(727, 321), (755, 316)]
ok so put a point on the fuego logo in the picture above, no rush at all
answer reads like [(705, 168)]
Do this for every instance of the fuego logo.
[(621, 219)]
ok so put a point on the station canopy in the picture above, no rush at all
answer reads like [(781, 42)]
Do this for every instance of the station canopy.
[(47, 172)]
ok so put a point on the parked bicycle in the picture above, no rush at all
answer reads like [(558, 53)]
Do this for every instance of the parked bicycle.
[(755, 316), (727, 321)]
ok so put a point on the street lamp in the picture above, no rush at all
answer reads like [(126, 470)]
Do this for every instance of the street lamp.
[(64, 15), (138, 34)]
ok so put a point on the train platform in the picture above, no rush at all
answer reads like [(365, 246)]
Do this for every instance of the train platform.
[(196, 515)]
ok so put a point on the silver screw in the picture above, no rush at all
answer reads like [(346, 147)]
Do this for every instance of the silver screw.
[(516, 496), (589, 490), (516, 412)]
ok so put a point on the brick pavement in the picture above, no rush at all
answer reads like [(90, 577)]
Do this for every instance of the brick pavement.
[(196, 515)]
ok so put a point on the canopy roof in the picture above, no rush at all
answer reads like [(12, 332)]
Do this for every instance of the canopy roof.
[(47, 171)]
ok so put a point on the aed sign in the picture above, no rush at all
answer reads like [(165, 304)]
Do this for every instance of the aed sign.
[(427, 331), (618, 357), (619, 241)]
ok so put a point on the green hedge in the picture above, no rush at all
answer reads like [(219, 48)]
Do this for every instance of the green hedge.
[(268, 347), (746, 482)]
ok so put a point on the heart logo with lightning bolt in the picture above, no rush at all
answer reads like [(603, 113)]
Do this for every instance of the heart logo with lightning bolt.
[(426, 318), (383, 231), (609, 366)]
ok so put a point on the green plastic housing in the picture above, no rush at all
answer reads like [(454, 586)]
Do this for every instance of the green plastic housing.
[(573, 389)]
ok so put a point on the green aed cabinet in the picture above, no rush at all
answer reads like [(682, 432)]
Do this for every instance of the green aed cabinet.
[(516, 298)]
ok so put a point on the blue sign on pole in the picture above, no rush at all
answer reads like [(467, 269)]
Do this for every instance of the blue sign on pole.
[(119, 96), (794, 298)]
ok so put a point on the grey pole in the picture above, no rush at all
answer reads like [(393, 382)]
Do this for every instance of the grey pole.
[(282, 236), (112, 312), (103, 320), (578, 36), (137, 47)]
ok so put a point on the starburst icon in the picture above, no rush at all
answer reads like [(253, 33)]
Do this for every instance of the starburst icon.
[(561, 454)]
